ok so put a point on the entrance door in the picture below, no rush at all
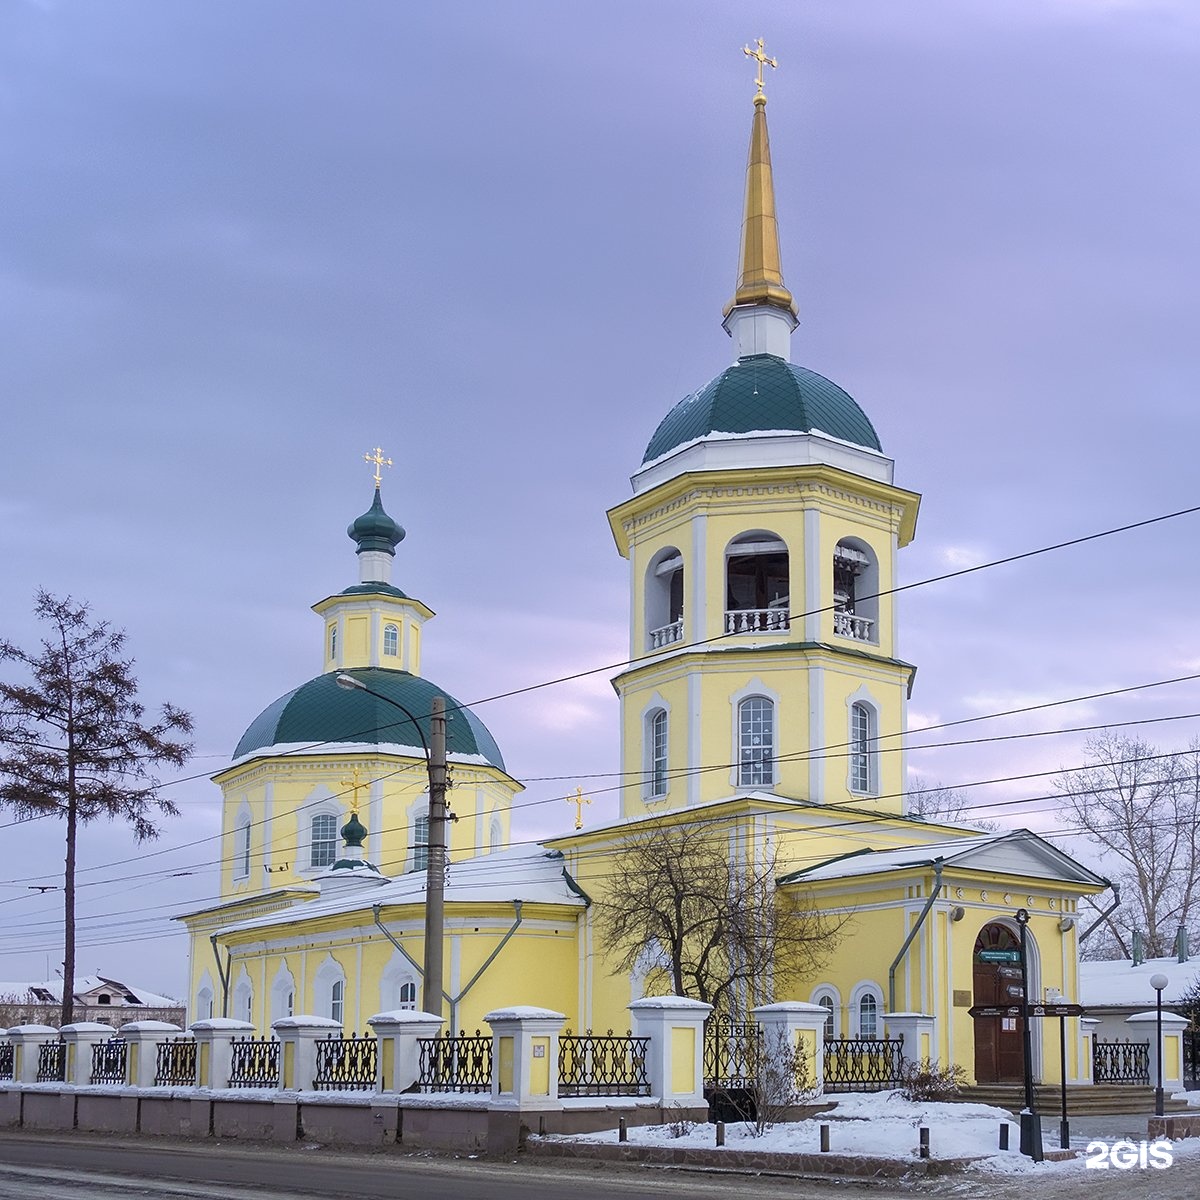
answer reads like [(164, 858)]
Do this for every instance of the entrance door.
[(998, 1057)]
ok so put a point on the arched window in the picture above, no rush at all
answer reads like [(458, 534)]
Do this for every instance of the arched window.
[(391, 641), (868, 1016), (408, 996), (241, 849), (495, 834), (756, 742), (420, 846), (656, 753), (862, 748), (826, 1002), (337, 1000), (855, 591), (204, 1004), (333, 641), (664, 599), (757, 584), (323, 841)]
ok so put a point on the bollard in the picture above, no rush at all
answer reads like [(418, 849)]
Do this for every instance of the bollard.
[(1003, 1135), (720, 1133), (923, 1139), (1064, 1134), (824, 1139), (622, 1131)]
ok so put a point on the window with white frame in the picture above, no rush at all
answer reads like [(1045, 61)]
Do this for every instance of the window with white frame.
[(420, 843), (241, 849), (408, 996), (868, 1016), (337, 1000), (656, 753), (826, 1002), (323, 840), (756, 742), (391, 641), (862, 747), (495, 834), (333, 641)]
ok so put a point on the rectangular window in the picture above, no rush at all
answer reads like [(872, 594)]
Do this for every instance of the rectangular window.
[(658, 754), (420, 847), (860, 748), (756, 738), (323, 851)]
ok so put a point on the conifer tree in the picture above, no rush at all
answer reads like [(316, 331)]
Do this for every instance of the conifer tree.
[(74, 741)]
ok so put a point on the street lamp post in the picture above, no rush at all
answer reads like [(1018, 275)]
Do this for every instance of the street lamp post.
[(1031, 1123), (1158, 982), (435, 872)]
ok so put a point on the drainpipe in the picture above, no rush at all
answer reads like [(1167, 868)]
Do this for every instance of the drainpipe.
[(1108, 912), (452, 1000), (912, 933), (222, 975)]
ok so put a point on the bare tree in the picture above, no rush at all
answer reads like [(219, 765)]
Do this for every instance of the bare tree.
[(73, 740), (1141, 808), (706, 922), (938, 803)]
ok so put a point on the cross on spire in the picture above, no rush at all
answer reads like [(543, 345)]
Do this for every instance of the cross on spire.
[(579, 800), (378, 459), (353, 785), (760, 56)]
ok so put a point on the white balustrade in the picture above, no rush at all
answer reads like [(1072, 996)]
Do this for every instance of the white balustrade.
[(666, 634), (851, 625), (757, 620)]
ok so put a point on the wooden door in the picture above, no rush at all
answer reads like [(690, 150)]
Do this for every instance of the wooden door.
[(998, 1055)]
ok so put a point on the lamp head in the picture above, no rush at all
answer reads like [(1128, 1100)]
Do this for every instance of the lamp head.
[(350, 684), (1159, 981)]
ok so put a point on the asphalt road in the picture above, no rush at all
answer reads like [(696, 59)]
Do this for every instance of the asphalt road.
[(80, 1167)]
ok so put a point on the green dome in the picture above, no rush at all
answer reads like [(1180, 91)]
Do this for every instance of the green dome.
[(763, 393), (375, 530), (319, 711)]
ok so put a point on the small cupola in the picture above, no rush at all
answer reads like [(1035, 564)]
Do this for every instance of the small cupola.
[(377, 536)]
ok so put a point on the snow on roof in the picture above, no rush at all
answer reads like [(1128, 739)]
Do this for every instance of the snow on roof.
[(1118, 982), (37, 991), (530, 874), (400, 749)]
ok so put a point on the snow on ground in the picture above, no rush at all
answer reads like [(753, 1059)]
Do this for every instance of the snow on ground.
[(876, 1125)]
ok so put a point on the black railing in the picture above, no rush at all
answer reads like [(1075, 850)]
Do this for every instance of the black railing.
[(110, 1061), (602, 1065), (255, 1063), (863, 1064), (1191, 1059), (52, 1062), (346, 1064), (6, 1060), (1121, 1062), (731, 1051), (455, 1064), (175, 1063)]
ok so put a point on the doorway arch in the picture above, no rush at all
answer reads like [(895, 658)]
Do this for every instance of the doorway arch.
[(999, 1057)]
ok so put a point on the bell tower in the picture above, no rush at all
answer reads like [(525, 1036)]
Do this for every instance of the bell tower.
[(761, 538)]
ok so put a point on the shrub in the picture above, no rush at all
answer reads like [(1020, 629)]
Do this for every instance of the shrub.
[(928, 1080)]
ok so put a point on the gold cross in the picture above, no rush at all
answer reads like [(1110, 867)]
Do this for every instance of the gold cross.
[(353, 784), (763, 60), (579, 800), (378, 459)]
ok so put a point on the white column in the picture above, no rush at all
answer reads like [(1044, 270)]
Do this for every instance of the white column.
[(1142, 1028), (298, 1037), (80, 1038), (796, 1025), (398, 1035), (143, 1038), (214, 1049), (917, 1031), (26, 1039), (525, 1057), (1087, 1043), (675, 1027)]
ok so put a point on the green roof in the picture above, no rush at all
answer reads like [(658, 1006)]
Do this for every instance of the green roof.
[(319, 711), (764, 393)]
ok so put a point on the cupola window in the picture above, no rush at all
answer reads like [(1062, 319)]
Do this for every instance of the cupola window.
[(756, 742), (333, 641), (855, 592), (420, 846), (756, 584), (664, 599), (391, 641), (323, 849), (241, 861)]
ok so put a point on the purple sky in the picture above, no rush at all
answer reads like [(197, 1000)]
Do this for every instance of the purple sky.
[(244, 242)]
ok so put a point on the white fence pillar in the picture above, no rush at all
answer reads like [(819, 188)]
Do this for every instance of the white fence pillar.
[(143, 1038), (298, 1037), (525, 1057), (81, 1037), (1142, 1028), (26, 1040), (397, 1036), (797, 1026), (675, 1027), (214, 1048), (917, 1031)]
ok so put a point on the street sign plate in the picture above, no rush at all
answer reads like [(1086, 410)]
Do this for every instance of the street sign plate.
[(1035, 1010), (998, 956), (994, 1010)]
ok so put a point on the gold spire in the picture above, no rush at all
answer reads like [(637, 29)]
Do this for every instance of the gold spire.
[(760, 280), (379, 461)]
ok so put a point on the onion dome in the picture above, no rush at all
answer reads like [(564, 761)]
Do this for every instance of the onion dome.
[(375, 530)]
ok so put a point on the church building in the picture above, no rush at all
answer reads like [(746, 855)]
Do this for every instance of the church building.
[(765, 698)]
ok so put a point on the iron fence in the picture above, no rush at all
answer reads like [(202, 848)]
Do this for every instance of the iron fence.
[(455, 1064), (52, 1062), (731, 1051), (6, 1060), (602, 1065), (1121, 1062), (863, 1064), (255, 1062), (346, 1063), (1191, 1059), (175, 1063), (110, 1061)]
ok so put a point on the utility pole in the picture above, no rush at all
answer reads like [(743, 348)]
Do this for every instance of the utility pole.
[(435, 878)]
